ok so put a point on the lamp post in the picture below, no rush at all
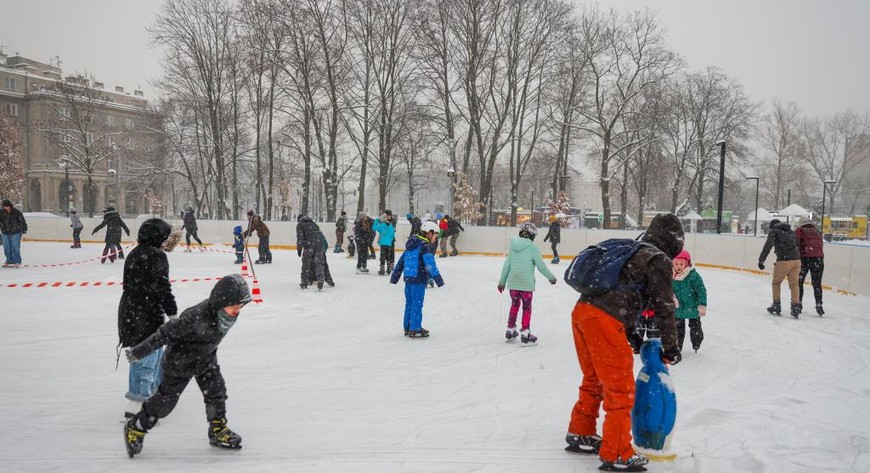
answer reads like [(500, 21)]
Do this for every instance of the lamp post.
[(450, 174), (64, 164), (824, 188), (721, 144), (756, 179)]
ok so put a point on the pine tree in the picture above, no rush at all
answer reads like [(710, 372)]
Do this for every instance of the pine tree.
[(11, 162), (466, 204)]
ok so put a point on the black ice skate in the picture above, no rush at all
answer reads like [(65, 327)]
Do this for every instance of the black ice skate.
[(527, 338), (219, 435), (634, 463), (320, 285), (796, 310), (134, 438), (511, 334), (422, 333), (820, 310), (775, 308), (582, 443)]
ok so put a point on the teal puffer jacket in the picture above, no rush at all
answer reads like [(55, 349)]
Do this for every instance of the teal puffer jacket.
[(691, 293), (518, 271)]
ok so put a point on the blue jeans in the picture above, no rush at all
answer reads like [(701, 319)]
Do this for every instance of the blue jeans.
[(12, 248), (414, 294), (145, 376)]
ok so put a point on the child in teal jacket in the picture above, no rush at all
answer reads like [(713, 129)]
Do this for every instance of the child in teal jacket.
[(691, 300), (518, 275)]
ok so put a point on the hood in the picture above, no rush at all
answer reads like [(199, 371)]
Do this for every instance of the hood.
[(414, 242), (780, 225), (111, 214), (809, 225), (650, 354), (665, 232), (230, 290), (519, 244), (153, 232), (303, 219), (237, 230)]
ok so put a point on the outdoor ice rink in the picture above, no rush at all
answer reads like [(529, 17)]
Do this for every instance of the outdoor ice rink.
[(325, 381)]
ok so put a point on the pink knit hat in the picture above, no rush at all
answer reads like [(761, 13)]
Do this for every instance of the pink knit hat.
[(686, 256)]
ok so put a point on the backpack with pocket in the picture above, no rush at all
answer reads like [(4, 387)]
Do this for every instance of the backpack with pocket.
[(595, 270)]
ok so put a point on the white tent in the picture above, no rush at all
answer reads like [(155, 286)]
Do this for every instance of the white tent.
[(763, 215), (693, 217), (794, 210)]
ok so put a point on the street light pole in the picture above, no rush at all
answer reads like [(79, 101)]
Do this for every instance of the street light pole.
[(64, 164), (757, 179), (721, 144), (824, 188)]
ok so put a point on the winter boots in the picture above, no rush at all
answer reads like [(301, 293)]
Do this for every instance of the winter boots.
[(134, 437), (381, 271), (418, 333), (582, 443), (555, 260), (219, 435), (527, 338), (634, 463), (775, 308), (796, 309), (511, 334), (338, 249), (819, 309)]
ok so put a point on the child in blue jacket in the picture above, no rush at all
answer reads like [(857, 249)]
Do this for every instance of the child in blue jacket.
[(384, 226), (418, 264), (238, 244)]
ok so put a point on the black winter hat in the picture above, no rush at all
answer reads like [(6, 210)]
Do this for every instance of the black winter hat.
[(154, 232), (110, 209), (230, 290), (774, 222), (665, 232), (6, 203)]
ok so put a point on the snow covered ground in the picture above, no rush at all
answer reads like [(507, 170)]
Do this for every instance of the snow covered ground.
[(326, 382)]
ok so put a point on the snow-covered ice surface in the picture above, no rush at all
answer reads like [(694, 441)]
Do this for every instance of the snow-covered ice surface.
[(326, 382)]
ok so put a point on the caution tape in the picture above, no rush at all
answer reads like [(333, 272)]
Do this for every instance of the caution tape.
[(204, 248), (73, 263), (95, 283)]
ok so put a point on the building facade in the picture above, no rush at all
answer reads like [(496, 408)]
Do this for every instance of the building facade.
[(77, 138)]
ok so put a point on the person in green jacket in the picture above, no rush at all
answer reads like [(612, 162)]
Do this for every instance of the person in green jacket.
[(691, 298), (518, 275)]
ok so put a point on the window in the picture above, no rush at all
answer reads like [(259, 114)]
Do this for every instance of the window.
[(89, 139), (12, 109), (110, 120), (63, 111), (130, 123), (129, 144), (10, 83), (65, 138)]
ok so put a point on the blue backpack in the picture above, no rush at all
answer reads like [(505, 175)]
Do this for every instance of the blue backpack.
[(596, 269)]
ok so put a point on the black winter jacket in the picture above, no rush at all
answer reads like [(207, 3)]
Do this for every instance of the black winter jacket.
[(362, 231), (341, 224), (781, 238), (308, 234), (453, 227), (12, 222), (554, 234), (113, 223), (192, 339), (147, 292)]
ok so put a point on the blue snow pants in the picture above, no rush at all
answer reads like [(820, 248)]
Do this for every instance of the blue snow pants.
[(414, 294), (145, 376)]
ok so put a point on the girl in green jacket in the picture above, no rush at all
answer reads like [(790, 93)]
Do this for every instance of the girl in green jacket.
[(691, 300), (518, 275)]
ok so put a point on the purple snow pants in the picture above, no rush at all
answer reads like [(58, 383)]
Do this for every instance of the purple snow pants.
[(526, 298)]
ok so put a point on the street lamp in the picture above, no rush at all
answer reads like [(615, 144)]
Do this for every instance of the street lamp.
[(64, 164), (756, 179), (824, 188), (451, 173), (721, 144)]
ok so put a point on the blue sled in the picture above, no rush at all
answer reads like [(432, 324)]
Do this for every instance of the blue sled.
[(655, 404)]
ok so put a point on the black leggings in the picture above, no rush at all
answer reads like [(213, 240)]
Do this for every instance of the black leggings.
[(816, 267), (696, 333), (388, 255), (362, 254), (211, 383), (192, 233)]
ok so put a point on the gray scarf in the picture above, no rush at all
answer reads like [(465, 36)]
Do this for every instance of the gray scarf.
[(225, 322)]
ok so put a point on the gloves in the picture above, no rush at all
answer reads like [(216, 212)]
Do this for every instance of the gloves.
[(439, 281), (702, 310), (130, 356), (761, 265), (500, 289), (671, 356), (553, 282)]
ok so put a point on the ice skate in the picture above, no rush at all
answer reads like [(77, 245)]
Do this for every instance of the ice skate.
[(775, 308), (582, 443), (634, 463), (820, 310), (320, 285), (422, 333), (527, 338), (795, 310), (219, 435), (134, 438), (511, 334)]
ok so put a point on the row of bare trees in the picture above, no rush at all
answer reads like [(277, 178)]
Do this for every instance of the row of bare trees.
[(262, 95)]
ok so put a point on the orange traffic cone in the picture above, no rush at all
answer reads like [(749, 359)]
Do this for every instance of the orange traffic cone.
[(256, 298), (245, 268)]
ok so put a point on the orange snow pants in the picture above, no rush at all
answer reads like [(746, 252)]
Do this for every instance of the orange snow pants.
[(607, 362)]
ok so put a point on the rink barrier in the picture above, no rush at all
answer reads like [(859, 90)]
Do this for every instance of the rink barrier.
[(28, 285), (807, 283)]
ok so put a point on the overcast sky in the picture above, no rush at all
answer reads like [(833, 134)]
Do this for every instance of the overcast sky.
[(814, 52)]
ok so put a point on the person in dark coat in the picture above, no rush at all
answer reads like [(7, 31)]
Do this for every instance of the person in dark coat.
[(309, 246), (12, 226), (415, 223), (192, 341), (340, 228), (77, 226), (363, 235), (601, 323), (256, 224), (188, 217), (146, 299), (452, 232), (810, 243), (788, 265), (113, 223), (554, 236)]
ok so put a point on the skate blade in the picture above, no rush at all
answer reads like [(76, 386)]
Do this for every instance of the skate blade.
[(529, 344), (613, 468), (576, 449), (225, 446)]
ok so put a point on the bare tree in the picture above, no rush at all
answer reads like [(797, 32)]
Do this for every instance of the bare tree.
[(781, 135)]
